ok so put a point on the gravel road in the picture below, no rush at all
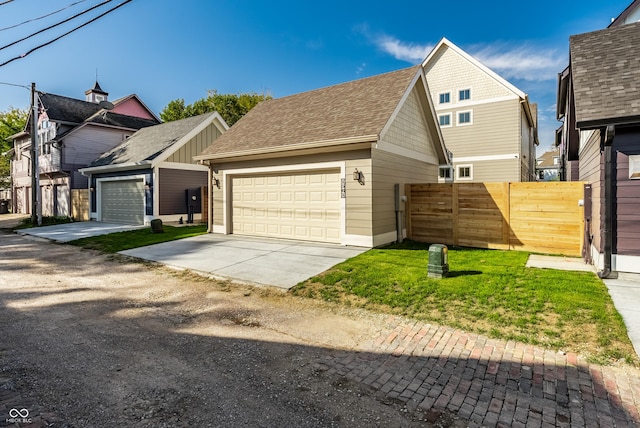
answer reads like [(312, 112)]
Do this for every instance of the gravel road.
[(90, 340)]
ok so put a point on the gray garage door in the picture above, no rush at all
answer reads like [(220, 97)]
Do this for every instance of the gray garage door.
[(123, 201)]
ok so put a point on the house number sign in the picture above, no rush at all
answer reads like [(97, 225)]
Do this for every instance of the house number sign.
[(343, 188)]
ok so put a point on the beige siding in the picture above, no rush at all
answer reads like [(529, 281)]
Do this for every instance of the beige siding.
[(498, 127), (495, 130), (501, 170), (388, 170), (196, 145), (450, 72), (358, 199), (409, 129)]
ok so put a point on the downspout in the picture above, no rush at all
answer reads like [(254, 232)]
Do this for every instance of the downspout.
[(608, 203)]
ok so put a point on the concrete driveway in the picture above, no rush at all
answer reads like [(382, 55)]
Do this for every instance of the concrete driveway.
[(71, 231), (275, 262)]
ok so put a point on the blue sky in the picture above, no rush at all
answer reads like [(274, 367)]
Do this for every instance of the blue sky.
[(164, 50)]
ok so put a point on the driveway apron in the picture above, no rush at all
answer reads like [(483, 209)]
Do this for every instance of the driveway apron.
[(274, 262)]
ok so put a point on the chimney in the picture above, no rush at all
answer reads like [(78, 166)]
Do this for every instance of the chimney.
[(96, 94)]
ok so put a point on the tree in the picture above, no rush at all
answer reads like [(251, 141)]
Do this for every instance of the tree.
[(12, 121), (230, 106)]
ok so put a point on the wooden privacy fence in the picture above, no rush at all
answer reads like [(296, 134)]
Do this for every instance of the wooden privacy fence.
[(80, 204), (538, 217)]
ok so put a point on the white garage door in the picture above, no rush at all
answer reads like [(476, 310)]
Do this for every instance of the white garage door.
[(122, 201), (303, 206)]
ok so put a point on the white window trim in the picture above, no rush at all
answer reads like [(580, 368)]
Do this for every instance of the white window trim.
[(466, 88), (442, 93), (445, 179), (450, 120), (634, 167), (465, 123), (470, 166)]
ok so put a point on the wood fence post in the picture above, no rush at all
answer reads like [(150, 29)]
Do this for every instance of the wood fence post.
[(454, 212)]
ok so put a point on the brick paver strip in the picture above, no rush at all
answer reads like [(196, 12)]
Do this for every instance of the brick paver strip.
[(489, 382)]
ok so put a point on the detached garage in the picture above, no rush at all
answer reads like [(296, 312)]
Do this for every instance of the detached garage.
[(323, 165), (152, 174)]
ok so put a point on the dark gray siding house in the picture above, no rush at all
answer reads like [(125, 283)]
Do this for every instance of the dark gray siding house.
[(153, 174), (598, 99)]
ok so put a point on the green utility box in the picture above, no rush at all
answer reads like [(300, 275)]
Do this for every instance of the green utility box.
[(438, 261), (156, 226)]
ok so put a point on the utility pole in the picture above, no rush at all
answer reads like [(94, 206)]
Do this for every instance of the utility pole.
[(36, 216)]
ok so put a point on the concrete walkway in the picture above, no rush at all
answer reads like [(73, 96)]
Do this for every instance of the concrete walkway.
[(71, 231), (275, 262), (625, 293)]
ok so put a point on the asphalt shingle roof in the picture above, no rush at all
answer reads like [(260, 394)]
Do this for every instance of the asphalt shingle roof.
[(353, 109), (65, 109), (148, 143), (605, 67)]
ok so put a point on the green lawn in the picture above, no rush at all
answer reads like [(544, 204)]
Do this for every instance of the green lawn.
[(487, 291), (120, 241)]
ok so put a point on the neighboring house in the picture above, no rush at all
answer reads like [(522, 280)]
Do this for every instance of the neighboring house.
[(630, 15), (152, 174), (548, 165), (327, 165), (488, 124), (71, 134), (600, 141)]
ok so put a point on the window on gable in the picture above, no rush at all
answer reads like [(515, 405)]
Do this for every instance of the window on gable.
[(464, 95), (445, 97), (464, 118), (465, 172), (445, 119)]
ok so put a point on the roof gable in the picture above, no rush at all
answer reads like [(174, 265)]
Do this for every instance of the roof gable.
[(444, 43), (352, 111), (155, 143), (630, 14), (605, 72), (132, 105)]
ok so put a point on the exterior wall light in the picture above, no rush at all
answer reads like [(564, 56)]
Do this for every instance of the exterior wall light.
[(358, 176), (216, 182)]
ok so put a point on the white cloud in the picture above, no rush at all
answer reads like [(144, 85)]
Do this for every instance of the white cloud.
[(409, 52), (524, 61)]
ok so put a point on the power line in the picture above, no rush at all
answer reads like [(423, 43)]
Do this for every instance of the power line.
[(14, 84), (65, 34), (55, 25), (42, 17), (5, 2)]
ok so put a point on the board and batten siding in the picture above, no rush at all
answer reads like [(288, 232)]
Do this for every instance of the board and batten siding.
[(196, 145), (173, 183), (388, 170)]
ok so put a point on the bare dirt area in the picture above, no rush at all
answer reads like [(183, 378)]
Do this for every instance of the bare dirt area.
[(89, 340)]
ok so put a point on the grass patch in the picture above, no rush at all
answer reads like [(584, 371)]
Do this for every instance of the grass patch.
[(488, 292), (120, 241)]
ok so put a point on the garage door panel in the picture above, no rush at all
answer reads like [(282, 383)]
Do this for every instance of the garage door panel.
[(297, 206), (122, 201)]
